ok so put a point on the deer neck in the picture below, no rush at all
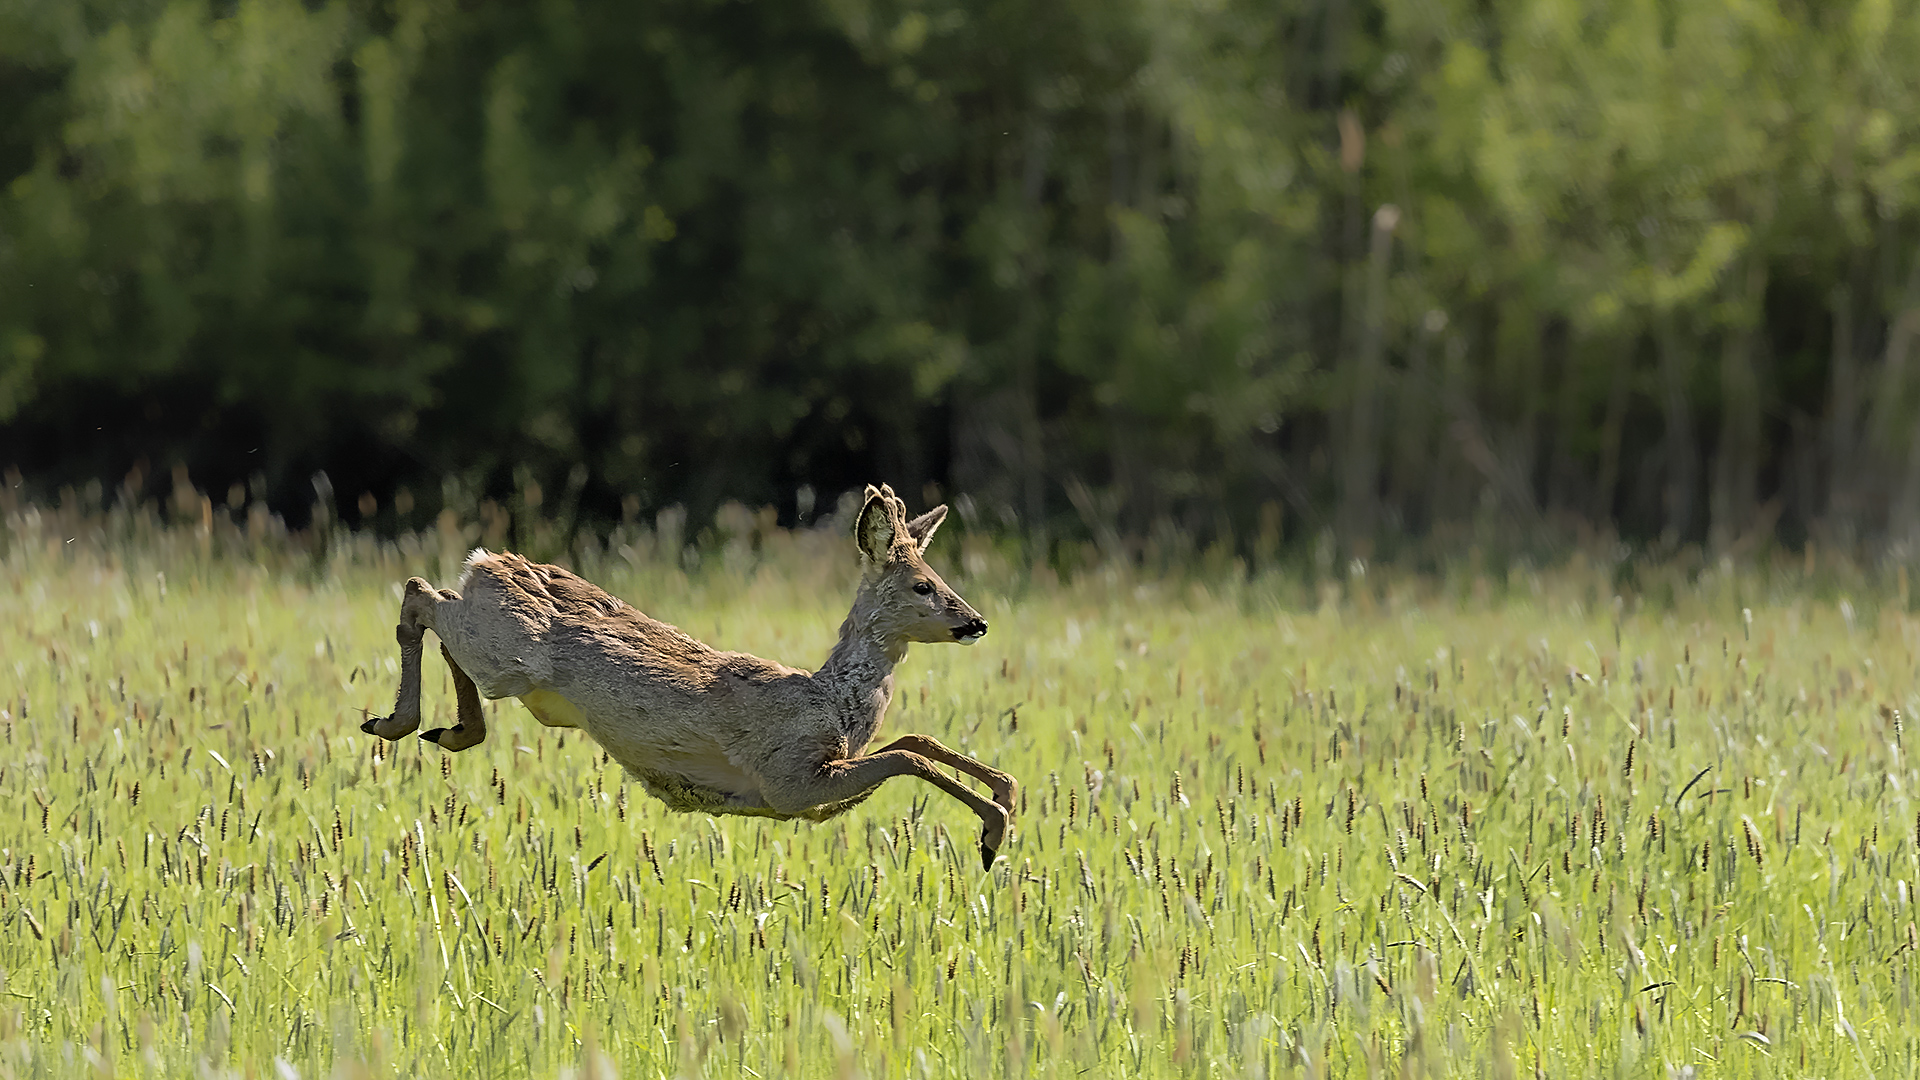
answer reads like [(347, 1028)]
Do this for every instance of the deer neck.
[(859, 670)]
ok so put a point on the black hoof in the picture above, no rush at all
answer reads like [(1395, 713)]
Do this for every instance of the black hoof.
[(367, 725), (434, 735), (986, 857)]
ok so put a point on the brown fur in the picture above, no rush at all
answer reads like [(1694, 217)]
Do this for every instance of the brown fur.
[(704, 730)]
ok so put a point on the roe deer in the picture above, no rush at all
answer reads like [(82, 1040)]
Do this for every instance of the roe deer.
[(703, 730)]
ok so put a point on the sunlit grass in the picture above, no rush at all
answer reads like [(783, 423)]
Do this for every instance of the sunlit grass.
[(1465, 825)]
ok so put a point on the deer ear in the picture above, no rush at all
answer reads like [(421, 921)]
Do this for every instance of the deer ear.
[(923, 527), (874, 529)]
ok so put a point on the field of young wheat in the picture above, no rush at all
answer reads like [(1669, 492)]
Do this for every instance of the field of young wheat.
[(1594, 820)]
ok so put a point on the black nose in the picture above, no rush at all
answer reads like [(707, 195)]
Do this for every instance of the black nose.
[(974, 629)]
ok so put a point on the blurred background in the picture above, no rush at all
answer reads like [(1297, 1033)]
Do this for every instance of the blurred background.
[(1288, 273)]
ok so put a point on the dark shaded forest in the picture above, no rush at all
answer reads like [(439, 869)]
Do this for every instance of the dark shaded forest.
[(1272, 272)]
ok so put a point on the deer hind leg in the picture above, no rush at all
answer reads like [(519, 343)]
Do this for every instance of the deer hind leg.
[(1006, 790), (853, 778), (471, 727), (416, 615)]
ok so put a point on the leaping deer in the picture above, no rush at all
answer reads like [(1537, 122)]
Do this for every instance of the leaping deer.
[(703, 730)]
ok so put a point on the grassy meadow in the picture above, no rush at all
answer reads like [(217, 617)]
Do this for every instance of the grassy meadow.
[(1602, 819)]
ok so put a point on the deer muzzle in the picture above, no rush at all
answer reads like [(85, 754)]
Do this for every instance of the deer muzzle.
[(968, 633)]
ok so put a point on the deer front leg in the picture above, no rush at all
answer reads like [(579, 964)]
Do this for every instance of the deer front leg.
[(406, 703), (470, 729), (853, 777), (1006, 790)]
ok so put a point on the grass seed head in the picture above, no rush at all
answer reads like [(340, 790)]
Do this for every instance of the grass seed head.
[(1753, 841)]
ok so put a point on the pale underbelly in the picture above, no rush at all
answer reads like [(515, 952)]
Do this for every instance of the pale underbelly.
[(553, 710), (696, 777)]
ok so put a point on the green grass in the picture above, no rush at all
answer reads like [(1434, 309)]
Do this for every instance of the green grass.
[(1455, 825)]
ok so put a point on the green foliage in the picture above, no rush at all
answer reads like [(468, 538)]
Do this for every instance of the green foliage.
[(1649, 265)]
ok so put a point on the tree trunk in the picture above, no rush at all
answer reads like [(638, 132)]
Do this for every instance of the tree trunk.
[(1032, 448), (1559, 360), (1413, 472), (1612, 429), (1361, 474), (1682, 463), (1843, 417), (1894, 424), (1736, 465)]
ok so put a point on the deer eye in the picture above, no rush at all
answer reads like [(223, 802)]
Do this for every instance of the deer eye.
[(924, 588)]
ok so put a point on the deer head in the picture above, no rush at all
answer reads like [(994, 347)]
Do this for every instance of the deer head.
[(907, 601)]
